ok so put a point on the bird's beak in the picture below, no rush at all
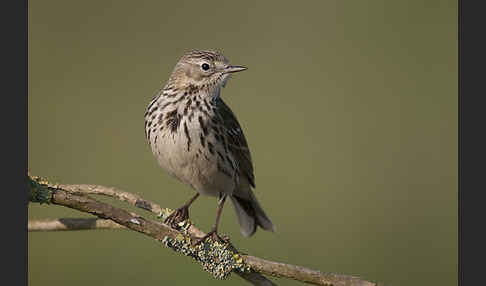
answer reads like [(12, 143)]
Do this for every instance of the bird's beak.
[(232, 69)]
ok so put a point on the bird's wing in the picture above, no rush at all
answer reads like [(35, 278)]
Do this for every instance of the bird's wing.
[(236, 141)]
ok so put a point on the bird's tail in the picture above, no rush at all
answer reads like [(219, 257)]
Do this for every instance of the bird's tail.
[(250, 214)]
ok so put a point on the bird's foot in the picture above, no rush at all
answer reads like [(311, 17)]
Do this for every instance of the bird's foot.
[(213, 234), (177, 216)]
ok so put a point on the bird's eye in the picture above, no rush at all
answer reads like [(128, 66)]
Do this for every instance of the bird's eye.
[(205, 66)]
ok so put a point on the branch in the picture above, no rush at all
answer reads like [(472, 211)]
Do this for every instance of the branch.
[(180, 239)]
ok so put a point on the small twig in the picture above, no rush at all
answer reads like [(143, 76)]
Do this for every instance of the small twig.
[(63, 224), (72, 196)]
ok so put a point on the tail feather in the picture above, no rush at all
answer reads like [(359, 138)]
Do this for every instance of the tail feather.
[(250, 215)]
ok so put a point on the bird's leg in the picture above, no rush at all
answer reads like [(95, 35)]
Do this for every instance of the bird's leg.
[(214, 232), (182, 213)]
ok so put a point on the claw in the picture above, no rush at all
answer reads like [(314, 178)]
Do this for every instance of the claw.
[(180, 214), (214, 236)]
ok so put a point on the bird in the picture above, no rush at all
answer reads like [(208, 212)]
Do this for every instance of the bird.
[(197, 139)]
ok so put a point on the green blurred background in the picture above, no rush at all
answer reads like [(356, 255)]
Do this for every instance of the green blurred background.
[(349, 108)]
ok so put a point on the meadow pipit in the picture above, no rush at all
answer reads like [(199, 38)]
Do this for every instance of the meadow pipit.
[(197, 139)]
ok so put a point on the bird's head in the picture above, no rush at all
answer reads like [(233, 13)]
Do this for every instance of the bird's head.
[(208, 70)]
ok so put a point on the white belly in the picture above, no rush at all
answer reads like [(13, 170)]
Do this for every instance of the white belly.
[(190, 162)]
